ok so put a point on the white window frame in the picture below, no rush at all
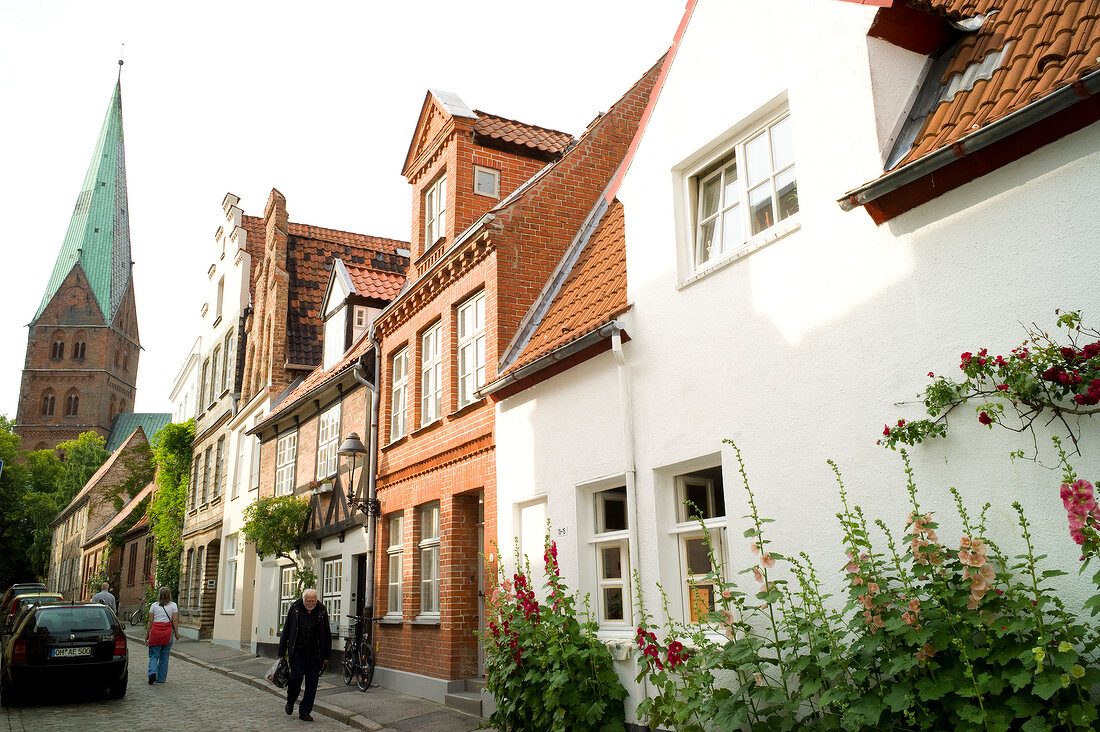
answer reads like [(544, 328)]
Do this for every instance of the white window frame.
[(230, 359), (286, 458), (332, 589), (328, 440), (687, 530), (229, 598), (238, 467), (495, 174), (399, 373), (429, 547), (470, 323), (431, 373), (219, 469), (713, 165), (607, 538), (395, 564), (288, 588), (435, 211), (216, 367)]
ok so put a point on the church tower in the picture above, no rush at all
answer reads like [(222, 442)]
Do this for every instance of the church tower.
[(82, 349)]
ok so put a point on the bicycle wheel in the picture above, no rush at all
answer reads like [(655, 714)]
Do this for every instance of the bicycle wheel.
[(349, 663), (366, 666), (135, 617)]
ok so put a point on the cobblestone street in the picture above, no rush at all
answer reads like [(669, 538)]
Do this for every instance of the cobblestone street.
[(194, 698)]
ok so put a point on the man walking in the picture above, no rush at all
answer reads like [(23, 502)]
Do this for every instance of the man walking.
[(305, 642), (104, 597)]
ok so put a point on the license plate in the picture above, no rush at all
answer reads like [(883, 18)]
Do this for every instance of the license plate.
[(70, 652)]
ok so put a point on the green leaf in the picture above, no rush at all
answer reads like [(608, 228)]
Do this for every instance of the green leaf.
[(1047, 684), (897, 698), (749, 533), (869, 709)]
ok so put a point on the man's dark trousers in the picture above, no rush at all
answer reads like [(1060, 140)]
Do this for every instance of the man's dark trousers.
[(307, 666)]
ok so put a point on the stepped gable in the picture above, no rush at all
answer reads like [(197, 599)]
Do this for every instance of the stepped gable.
[(592, 294), (254, 245), (310, 251)]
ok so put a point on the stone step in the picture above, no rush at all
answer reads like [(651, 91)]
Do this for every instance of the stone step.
[(476, 684), (464, 701)]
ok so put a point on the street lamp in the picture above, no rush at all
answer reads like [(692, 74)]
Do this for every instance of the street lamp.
[(353, 446)]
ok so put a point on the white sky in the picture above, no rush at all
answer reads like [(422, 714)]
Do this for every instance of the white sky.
[(316, 99)]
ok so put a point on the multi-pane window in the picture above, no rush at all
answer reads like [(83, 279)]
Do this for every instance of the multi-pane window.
[(194, 481), (612, 545), (203, 384), (750, 189), (229, 599), (435, 211), (238, 466), (429, 559), (400, 372), (185, 580), (216, 372), (227, 366), (286, 455), (700, 499), (47, 405), (147, 560), (219, 468), (72, 405), (220, 299), (431, 369), (471, 348), (332, 587), (287, 585), (131, 569), (196, 578), (254, 471), (394, 564), (206, 466), (327, 441)]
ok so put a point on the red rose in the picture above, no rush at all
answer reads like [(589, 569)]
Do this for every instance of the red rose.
[(985, 418)]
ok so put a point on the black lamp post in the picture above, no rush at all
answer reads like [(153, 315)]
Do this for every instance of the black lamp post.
[(372, 507)]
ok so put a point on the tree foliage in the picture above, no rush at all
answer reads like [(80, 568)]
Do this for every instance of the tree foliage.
[(171, 456), (15, 529), (275, 525)]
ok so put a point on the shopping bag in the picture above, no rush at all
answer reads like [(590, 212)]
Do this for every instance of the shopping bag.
[(278, 673)]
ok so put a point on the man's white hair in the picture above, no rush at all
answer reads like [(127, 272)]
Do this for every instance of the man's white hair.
[(311, 590)]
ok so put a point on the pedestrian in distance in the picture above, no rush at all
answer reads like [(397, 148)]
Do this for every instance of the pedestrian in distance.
[(305, 642), (162, 626), (104, 597)]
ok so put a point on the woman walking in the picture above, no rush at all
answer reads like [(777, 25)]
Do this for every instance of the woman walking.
[(162, 628)]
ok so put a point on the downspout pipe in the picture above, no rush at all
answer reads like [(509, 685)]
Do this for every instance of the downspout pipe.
[(627, 409), (1012, 123), (368, 585)]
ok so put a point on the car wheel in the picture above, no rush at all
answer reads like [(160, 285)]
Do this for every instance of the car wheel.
[(118, 689)]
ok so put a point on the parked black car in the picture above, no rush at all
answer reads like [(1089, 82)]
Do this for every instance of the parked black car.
[(20, 588), (69, 645)]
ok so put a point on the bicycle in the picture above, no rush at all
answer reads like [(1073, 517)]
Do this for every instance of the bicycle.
[(137, 617), (358, 654)]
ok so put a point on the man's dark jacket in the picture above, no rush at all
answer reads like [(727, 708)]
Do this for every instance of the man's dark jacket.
[(290, 629)]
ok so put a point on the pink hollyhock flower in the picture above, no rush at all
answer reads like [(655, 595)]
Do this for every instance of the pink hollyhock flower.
[(872, 587), (767, 561), (754, 547), (758, 678), (757, 575)]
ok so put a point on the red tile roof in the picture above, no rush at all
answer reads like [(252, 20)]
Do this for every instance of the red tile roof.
[(372, 283), (310, 251), (521, 134), (593, 293), (1051, 44)]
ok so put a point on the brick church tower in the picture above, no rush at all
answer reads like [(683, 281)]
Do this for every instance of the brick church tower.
[(82, 350)]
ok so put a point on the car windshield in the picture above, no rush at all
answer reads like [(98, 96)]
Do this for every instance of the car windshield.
[(72, 620)]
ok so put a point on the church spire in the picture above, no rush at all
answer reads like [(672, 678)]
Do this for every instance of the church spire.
[(98, 238)]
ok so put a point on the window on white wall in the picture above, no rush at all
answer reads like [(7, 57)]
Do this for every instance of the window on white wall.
[(699, 499), (229, 599), (429, 559), (431, 369), (240, 463), (286, 454), (287, 586), (332, 588), (399, 370), (471, 348), (611, 542), (394, 564), (742, 191), (327, 442)]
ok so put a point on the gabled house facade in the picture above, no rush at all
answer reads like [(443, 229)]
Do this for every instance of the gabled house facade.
[(299, 441), (743, 302), (106, 551), (91, 509), (495, 204)]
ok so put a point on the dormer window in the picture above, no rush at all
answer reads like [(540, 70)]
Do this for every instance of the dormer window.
[(486, 182), (435, 211), (334, 337)]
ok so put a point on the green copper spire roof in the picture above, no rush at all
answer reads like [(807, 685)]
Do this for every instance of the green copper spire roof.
[(99, 232)]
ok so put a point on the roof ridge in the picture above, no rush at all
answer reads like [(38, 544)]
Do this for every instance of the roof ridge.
[(292, 224), (525, 124)]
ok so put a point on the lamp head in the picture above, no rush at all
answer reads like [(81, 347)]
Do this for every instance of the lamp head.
[(352, 445)]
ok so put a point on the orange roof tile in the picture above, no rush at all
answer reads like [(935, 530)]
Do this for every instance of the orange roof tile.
[(1051, 44), (371, 283), (522, 134), (593, 293)]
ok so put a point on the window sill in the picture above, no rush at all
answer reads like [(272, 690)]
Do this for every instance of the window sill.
[(215, 500), (466, 408), (216, 321), (224, 392), (758, 242), (427, 427), (395, 443), (394, 620), (426, 620)]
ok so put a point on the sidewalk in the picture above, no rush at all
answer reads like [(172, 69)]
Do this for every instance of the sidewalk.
[(376, 709)]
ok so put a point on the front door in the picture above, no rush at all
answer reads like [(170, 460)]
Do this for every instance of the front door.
[(480, 587)]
